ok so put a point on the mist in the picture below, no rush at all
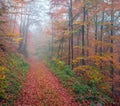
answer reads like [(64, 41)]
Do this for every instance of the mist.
[(59, 53)]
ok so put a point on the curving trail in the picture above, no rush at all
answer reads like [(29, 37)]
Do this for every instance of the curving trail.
[(42, 88)]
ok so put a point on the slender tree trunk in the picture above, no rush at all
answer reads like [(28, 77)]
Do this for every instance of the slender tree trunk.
[(101, 38), (83, 37), (26, 36), (111, 49), (96, 33), (15, 17), (21, 35), (87, 34), (70, 53), (52, 43), (78, 44), (101, 35)]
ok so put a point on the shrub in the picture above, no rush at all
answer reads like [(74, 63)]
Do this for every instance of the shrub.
[(13, 71)]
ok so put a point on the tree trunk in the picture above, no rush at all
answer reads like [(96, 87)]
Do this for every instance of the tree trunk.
[(87, 34), (96, 32), (83, 37), (111, 49), (70, 53)]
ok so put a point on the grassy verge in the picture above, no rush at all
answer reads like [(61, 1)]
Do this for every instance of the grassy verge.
[(78, 87), (13, 71)]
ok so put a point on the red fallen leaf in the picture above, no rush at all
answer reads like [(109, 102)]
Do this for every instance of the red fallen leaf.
[(43, 87), (10, 83)]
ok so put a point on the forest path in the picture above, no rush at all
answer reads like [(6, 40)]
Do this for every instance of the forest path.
[(42, 88)]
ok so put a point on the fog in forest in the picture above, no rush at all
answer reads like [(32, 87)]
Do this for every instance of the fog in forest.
[(40, 24), (59, 52)]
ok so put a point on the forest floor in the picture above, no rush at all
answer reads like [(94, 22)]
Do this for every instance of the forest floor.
[(42, 88)]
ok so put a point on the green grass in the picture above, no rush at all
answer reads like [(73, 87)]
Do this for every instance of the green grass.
[(64, 73), (15, 76), (79, 87)]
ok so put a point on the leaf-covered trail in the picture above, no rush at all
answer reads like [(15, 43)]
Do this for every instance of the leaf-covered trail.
[(42, 88)]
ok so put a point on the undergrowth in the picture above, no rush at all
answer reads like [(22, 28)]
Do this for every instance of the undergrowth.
[(13, 71), (79, 88)]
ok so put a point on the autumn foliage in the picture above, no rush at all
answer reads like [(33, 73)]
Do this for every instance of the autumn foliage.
[(85, 35), (13, 68), (83, 48)]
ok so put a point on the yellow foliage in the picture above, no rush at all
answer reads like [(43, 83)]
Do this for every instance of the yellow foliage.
[(77, 22), (78, 59), (2, 77), (17, 40), (76, 47), (89, 73), (12, 35), (114, 37), (2, 68), (80, 23), (97, 59), (94, 75)]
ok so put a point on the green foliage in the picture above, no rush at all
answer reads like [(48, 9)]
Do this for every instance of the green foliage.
[(94, 77), (15, 71), (80, 89), (93, 85), (3, 83), (86, 86), (63, 72), (85, 92), (69, 71)]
